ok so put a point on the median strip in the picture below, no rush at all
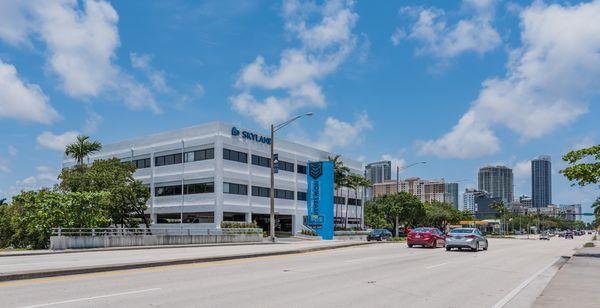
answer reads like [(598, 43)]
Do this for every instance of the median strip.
[(137, 265)]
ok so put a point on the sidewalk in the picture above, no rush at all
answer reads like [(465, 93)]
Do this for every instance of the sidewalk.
[(576, 283), (58, 264)]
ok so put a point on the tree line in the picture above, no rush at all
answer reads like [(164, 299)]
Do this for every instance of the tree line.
[(97, 195)]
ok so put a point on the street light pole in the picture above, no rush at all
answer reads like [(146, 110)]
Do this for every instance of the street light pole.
[(404, 168), (275, 128)]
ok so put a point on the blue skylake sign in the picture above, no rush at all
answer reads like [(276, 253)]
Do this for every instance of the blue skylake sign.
[(250, 136), (319, 198)]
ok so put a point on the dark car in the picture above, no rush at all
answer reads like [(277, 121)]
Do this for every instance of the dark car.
[(426, 237), (379, 235), (569, 234)]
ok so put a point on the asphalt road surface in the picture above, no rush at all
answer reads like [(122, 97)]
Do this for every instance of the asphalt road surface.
[(378, 275)]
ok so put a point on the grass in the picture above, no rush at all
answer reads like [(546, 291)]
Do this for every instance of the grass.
[(398, 239), (589, 244)]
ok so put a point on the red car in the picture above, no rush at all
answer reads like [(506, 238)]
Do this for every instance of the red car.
[(426, 237)]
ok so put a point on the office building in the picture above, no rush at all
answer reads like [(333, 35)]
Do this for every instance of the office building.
[(497, 181), (541, 181), (571, 212), (452, 193), (525, 201), (469, 200), (480, 203), (424, 189), (379, 172), (202, 175)]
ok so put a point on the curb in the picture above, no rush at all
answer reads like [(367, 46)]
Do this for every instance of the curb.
[(55, 252), (127, 266)]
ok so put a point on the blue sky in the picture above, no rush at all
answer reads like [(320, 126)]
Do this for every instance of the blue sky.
[(456, 84)]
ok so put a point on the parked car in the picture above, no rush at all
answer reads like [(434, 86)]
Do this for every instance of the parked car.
[(470, 238), (426, 237), (379, 235), (545, 236), (569, 234)]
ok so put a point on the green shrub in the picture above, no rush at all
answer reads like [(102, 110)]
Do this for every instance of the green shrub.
[(307, 232), (589, 244), (238, 225)]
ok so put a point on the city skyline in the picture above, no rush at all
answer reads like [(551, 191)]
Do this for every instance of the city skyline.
[(380, 91)]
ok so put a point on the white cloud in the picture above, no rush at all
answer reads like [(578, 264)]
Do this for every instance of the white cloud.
[(396, 162), (439, 39), (23, 101), (12, 151), (81, 41), (397, 36), (548, 80), (156, 77), (92, 122), (324, 46), (339, 134), (585, 142), (56, 142), (522, 171), (4, 165), (46, 177)]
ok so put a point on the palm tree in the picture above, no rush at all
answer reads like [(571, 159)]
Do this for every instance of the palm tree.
[(362, 183), (352, 183), (3, 201), (82, 148), (340, 173)]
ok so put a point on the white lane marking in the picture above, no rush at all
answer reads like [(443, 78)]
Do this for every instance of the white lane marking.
[(437, 265), (91, 298), (520, 287)]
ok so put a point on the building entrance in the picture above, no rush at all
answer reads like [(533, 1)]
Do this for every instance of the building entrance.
[(283, 223)]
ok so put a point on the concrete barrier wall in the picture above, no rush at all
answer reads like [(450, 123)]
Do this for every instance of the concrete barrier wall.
[(81, 242), (356, 237)]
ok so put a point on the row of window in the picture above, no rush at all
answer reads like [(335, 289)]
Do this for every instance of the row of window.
[(260, 161), (191, 156), (188, 189), (351, 201)]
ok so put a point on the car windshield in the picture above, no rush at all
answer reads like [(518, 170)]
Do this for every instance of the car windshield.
[(422, 230), (462, 231), (377, 231)]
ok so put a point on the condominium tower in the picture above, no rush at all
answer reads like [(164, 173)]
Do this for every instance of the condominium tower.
[(541, 181), (497, 181)]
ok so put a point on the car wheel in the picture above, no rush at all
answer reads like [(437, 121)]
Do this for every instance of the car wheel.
[(448, 248), (476, 246), (433, 244), (486, 246), (410, 245)]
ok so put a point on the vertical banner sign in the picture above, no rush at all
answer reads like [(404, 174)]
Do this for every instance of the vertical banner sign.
[(319, 198)]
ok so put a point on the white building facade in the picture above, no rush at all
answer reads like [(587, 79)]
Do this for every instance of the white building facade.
[(203, 175)]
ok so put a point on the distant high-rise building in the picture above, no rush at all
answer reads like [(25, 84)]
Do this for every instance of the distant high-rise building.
[(541, 181), (525, 200), (469, 200), (479, 202), (426, 190), (379, 172), (497, 181), (452, 194)]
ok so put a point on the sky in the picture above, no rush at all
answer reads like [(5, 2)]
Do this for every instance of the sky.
[(458, 84)]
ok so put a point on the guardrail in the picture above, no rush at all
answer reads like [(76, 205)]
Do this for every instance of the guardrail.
[(151, 231)]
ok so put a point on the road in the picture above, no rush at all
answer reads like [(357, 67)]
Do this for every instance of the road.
[(379, 275)]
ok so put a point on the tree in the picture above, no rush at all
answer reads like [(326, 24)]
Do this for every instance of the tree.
[(82, 148), (375, 215), (584, 169), (440, 214), (340, 173), (128, 196), (401, 208), (3, 201), (33, 215)]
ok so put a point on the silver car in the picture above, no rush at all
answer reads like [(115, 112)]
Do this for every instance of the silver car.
[(466, 238)]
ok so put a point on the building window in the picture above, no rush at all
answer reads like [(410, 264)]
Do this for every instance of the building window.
[(199, 218), (172, 190), (284, 194), (285, 166), (339, 200), (258, 191), (301, 196), (235, 156), (141, 163), (200, 155), (167, 160), (301, 169), (199, 188), (352, 201), (236, 189), (261, 161)]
